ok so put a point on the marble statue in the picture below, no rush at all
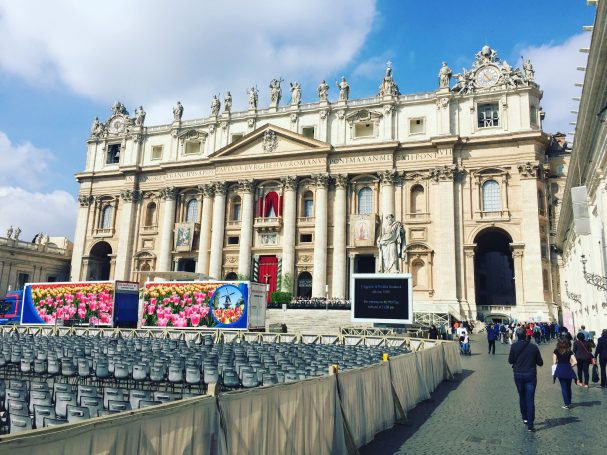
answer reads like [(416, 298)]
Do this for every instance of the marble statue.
[(253, 97), (528, 71), (295, 93), (118, 108), (227, 102), (215, 106), (444, 76), (178, 112), (17, 233), (9, 232), (391, 244), (140, 118), (388, 86), (275, 92), (97, 128), (344, 89), (323, 91)]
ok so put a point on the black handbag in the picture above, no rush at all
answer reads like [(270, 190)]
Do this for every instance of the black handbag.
[(595, 373)]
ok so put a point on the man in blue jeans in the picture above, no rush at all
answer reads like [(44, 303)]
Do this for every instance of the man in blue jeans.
[(525, 357)]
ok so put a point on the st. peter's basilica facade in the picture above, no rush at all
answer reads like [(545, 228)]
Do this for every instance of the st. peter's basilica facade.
[(294, 195)]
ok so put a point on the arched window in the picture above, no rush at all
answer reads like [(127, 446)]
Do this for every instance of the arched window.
[(308, 204), (192, 212), (236, 208), (365, 201), (491, 196), (418, 274), (150, 214), (418, 201), (106, 217), (304, 285)]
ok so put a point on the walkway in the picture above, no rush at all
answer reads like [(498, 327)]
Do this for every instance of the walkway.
[(478, 414)]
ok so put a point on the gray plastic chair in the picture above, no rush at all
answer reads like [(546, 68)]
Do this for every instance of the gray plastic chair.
[(40, 412), (94, 404), (135, 396), (39, 397), (77, 413), (62, 399), (19, 423), (119, 406)]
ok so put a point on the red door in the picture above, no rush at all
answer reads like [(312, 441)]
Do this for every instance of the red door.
[(268, 269)]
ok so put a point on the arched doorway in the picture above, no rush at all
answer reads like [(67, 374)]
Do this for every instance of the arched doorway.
[(304, 285), (186, 265), (494, 269), (232, 276), (99, 262)]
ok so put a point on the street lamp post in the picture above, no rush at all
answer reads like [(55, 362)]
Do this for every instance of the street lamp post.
[(598, 281)]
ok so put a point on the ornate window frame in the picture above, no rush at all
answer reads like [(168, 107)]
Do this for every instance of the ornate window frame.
[(412, 180), (306, 187), (102, 203), (359, 182), (478, 178), (420, 252), (364, 116)]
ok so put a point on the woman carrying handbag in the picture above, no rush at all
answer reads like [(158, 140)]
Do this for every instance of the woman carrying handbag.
[(584, 358), (563, 362)]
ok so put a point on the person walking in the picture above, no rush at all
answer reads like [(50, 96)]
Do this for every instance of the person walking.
[(584, 357), (564, 360), (525, 357), (600, 353), (491, 336), (433, 333)]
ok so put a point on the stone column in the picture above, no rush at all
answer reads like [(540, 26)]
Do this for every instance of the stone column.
[(288, 230), (386, 192), (82, 223), (339, 237), (124, 253), (246, 227), (202, 265), (319, 275), (470, 297), (530, 230), (519, 282), (218, 229), (169, 195)]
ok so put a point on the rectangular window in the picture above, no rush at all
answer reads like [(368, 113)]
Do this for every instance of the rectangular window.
[(157, 152), (363, 130), (305, 238), (233, 240), (416, 126), (488, 115), (22, 278), (236, 212), (533, 115), (309, 208), (192, 148), (113, 154), (308, 131), (236, 136)]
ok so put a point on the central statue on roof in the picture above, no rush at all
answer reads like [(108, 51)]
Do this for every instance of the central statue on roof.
[(388, 86)]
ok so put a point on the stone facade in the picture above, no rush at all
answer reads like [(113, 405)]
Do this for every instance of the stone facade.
[(298, 191), (30, 262)]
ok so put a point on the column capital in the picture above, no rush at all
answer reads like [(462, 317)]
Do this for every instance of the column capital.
[(207, 190), (220, 188), (443, 173), (528, 169), (341, 181), (387, 177), (85, 200), (246, 185), (321, 180), (131, 195), (168, 193), (290, 183)]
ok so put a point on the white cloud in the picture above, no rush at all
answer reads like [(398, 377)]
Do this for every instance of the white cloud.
[(53, 213), (24, 164), (371, 68), (556, 72), (153, 52)]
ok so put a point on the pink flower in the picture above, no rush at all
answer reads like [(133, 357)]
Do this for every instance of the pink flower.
[(93, 306), (180, 322), (81, 313), (195, 319), (162, 322), (204, 311), (151, 309), (153, 301), (105, 318)]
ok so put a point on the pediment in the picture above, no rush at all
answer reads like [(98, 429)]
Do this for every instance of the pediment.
[(270, 140)]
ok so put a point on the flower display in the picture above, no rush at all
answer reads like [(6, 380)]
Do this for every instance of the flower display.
[(171, 304), (91, 303)]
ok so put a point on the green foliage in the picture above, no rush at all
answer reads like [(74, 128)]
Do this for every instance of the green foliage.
[(281, 297), (287, 282)]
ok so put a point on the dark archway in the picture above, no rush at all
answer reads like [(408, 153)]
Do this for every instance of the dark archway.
[(494, 269), (232, 276), (99, 262), (304, 285), (364, 263), (186, 265)]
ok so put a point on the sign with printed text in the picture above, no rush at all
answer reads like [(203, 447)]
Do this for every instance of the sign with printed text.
[(381, 298)]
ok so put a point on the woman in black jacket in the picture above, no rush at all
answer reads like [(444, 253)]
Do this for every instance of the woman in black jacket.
[(583, 356), (600, 353)]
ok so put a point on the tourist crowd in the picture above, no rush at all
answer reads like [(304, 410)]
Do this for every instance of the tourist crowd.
[(314, 303)]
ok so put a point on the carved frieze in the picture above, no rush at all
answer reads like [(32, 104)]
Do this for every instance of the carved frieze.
[(270, 141), (528, 169), (85, 200)]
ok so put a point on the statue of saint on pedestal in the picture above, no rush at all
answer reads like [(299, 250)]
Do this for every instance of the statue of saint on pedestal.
[(227, 102), (140, 118), (444, 76), (295, 93), (9, 232), (344, 89), (178, 112), (275, 92), (253, 97), (215, 106), (323, 91), (391, 244)]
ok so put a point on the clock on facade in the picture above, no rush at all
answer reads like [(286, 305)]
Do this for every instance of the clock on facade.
[(487, 76), (116, 125)]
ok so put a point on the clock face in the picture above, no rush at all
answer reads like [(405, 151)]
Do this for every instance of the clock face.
[(116, 126), (487, 76)]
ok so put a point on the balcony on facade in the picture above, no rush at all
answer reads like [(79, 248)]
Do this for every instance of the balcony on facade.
[(268, 224)]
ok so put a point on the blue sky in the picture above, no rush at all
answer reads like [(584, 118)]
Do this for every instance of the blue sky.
[(66, 64)]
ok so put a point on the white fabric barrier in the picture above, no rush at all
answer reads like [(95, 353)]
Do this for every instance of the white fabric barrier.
[(452, 358), (298, 417), (367, 401), (408, 381)]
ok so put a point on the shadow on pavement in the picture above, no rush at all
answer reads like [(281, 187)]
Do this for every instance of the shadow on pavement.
[(556, 422), (391, 440), (586, 404)]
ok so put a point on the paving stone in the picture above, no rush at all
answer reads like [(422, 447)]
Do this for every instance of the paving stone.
[(477, 413)]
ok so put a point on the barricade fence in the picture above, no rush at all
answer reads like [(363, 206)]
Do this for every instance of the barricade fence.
[(334, 414)]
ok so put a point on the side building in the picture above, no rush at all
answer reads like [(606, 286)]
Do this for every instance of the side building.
[(297, 195)]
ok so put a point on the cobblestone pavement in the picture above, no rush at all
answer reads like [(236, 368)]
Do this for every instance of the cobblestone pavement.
[(477, 413)]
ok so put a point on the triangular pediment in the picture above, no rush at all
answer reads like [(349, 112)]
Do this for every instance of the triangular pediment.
[(267, 141)]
